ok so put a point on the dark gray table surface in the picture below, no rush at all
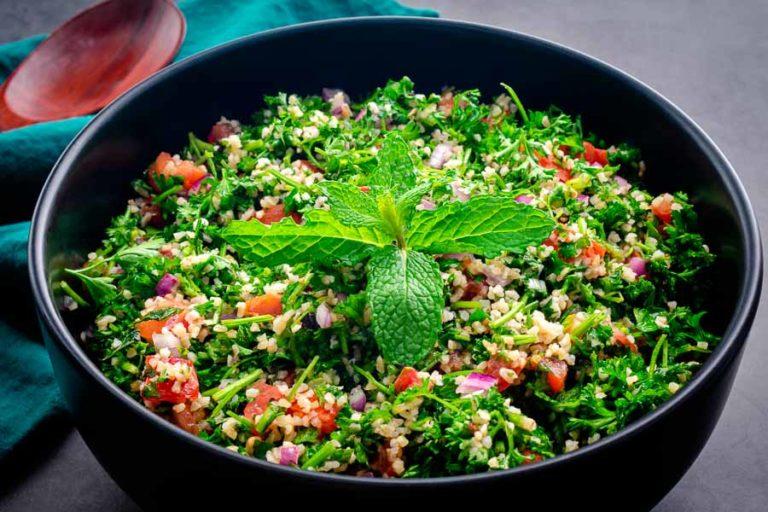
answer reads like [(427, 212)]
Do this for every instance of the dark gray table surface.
[(709, 57)]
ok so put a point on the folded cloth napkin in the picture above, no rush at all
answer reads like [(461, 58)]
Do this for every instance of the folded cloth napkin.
[(28, 395)]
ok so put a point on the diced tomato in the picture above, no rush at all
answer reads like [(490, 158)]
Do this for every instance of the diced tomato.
[(531, 457), (165, 165), (553, 240), (327, 419), (595, 155), (623, 340), (309, 166), (557, 371), (548, 162), (147, 328), (189, 420), (277, 213), (382, 463), (267, 304), (222, 130), (161, 386), (446, 103), (364, 188), (408, 378), (267, 394), (493, 368), (594, 250), (661, 207)]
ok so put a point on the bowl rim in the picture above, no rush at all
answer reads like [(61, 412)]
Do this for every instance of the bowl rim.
[(733, 339)]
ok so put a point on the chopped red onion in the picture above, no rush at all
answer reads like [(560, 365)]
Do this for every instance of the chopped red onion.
[(441, 154), (476, 383), (460, 256), (524, 199), (637, 264), (357, 399), (361, 114), (329, 93), (323, 316), (427, 204), (167, 284), (583, 198), (624, 185), (459, 192), (493, 277), (289, 455)]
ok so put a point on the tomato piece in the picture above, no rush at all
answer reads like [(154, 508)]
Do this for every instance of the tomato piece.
[(267, 304), (531, 457), (166, 166), (557, 371), (309, 166), (327, 419), (189, 420), (595, 155), (594, 250), (171, 380), (661, 207), (493, 368), (222, 130), (277, 213), (623, 340), (382, 463), (408, 378), (553, 240), (364, 188), (147, 328), (446, 103), (548, 162), (267, 395)]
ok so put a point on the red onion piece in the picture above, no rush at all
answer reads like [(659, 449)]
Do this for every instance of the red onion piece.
[(357, 399), (524, 199), (460, 256), (637, 264), (458, 192), (167, 284), (329, 93), (427, 204), (624, 185), (583, 198), (476, 383), (361, 114), (323, 316), (289, 455), (440, 155)]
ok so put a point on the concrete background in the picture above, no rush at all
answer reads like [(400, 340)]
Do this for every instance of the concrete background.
[(708, 57)]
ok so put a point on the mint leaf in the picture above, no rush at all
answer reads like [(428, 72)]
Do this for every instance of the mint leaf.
[(395, 166), (350, 205), (100, 288), (405, 293), (321, 238), (484, 225)]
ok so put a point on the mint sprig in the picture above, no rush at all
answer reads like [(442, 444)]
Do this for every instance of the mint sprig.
[(404, 290)]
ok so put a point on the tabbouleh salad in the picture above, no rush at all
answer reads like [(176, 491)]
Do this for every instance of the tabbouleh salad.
[(415, 285)]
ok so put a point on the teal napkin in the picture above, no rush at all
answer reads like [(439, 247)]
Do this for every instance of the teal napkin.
[(28, 393)]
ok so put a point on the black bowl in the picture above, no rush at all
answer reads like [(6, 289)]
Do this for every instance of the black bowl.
[(159, 465)]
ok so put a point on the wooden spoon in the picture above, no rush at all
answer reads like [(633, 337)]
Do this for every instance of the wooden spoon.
[(92, 59)]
